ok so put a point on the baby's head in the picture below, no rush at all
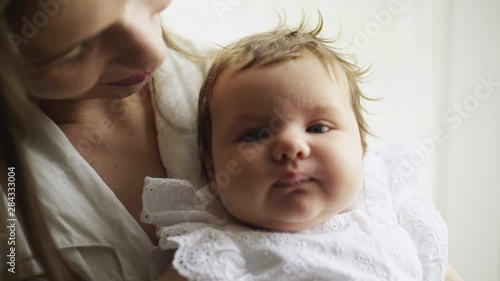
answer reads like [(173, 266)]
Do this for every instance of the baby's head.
[(280, 130)]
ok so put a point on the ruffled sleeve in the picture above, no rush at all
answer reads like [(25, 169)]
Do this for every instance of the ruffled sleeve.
[(172, 201), (191, 222), (210, 245), (416, 212)]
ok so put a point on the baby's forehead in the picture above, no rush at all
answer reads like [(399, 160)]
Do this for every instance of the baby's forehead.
[(331, 65), (269, 86)]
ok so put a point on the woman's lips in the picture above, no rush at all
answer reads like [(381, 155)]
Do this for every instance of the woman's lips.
[(292, 179), (133, 79)]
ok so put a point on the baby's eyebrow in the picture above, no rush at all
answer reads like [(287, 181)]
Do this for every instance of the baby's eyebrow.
[(249, 117), (322, 108)]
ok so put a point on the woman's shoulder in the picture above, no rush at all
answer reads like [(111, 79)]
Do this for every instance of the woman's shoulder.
[(82, 214)]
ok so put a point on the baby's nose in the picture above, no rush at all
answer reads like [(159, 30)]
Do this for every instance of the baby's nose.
[(290, 148)]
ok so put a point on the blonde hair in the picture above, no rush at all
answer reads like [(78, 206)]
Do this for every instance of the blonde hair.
[(14, 126), (279, 45)]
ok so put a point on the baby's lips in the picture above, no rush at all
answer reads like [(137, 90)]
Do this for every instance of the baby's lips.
[(292, 179)]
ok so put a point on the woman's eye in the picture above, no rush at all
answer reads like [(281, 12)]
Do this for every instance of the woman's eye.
[(255, 135), (76, 54), (73, 56), (318, 129)]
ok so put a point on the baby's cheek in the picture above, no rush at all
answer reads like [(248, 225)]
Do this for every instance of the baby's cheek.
[(229, 173), (345, 166)]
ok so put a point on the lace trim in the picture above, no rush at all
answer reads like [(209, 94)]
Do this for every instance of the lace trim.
[(211, 246)]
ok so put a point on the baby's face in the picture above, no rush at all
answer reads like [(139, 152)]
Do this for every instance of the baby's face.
[(286, 146)]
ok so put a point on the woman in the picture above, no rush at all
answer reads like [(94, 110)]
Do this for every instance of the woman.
[(87, 66)]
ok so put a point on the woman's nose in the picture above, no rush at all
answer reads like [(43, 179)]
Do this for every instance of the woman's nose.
[(137, 42), (289, 147)]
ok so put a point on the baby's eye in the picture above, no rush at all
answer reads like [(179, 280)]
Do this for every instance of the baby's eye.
[(318, 129), (255, 135)]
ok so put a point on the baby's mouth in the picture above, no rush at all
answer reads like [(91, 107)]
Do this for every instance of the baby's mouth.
[(292, 179)]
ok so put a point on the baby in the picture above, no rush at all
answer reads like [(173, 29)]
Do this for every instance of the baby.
[(292, 194)]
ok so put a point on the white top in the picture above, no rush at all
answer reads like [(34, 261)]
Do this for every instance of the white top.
[(367, 243), (94, 230)]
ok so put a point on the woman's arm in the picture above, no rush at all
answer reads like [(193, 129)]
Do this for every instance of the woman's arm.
[(452, 275), (172, 275)]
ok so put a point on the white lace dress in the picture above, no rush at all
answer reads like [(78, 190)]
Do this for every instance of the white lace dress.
[(371, 242)]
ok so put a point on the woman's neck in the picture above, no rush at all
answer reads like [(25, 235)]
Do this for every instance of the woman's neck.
[(93, 112), (118, 139)]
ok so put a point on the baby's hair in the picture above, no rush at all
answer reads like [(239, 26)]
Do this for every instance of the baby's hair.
[(268, 48)]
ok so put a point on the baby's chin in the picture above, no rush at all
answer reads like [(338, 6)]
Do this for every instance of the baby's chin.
[(290, 224)]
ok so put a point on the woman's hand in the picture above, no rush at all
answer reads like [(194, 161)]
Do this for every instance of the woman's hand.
[(452, 275)]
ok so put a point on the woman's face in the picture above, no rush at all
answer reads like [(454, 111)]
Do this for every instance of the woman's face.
[(87, 49)]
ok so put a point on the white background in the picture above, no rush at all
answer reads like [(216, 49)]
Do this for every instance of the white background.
[(427, 59)]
